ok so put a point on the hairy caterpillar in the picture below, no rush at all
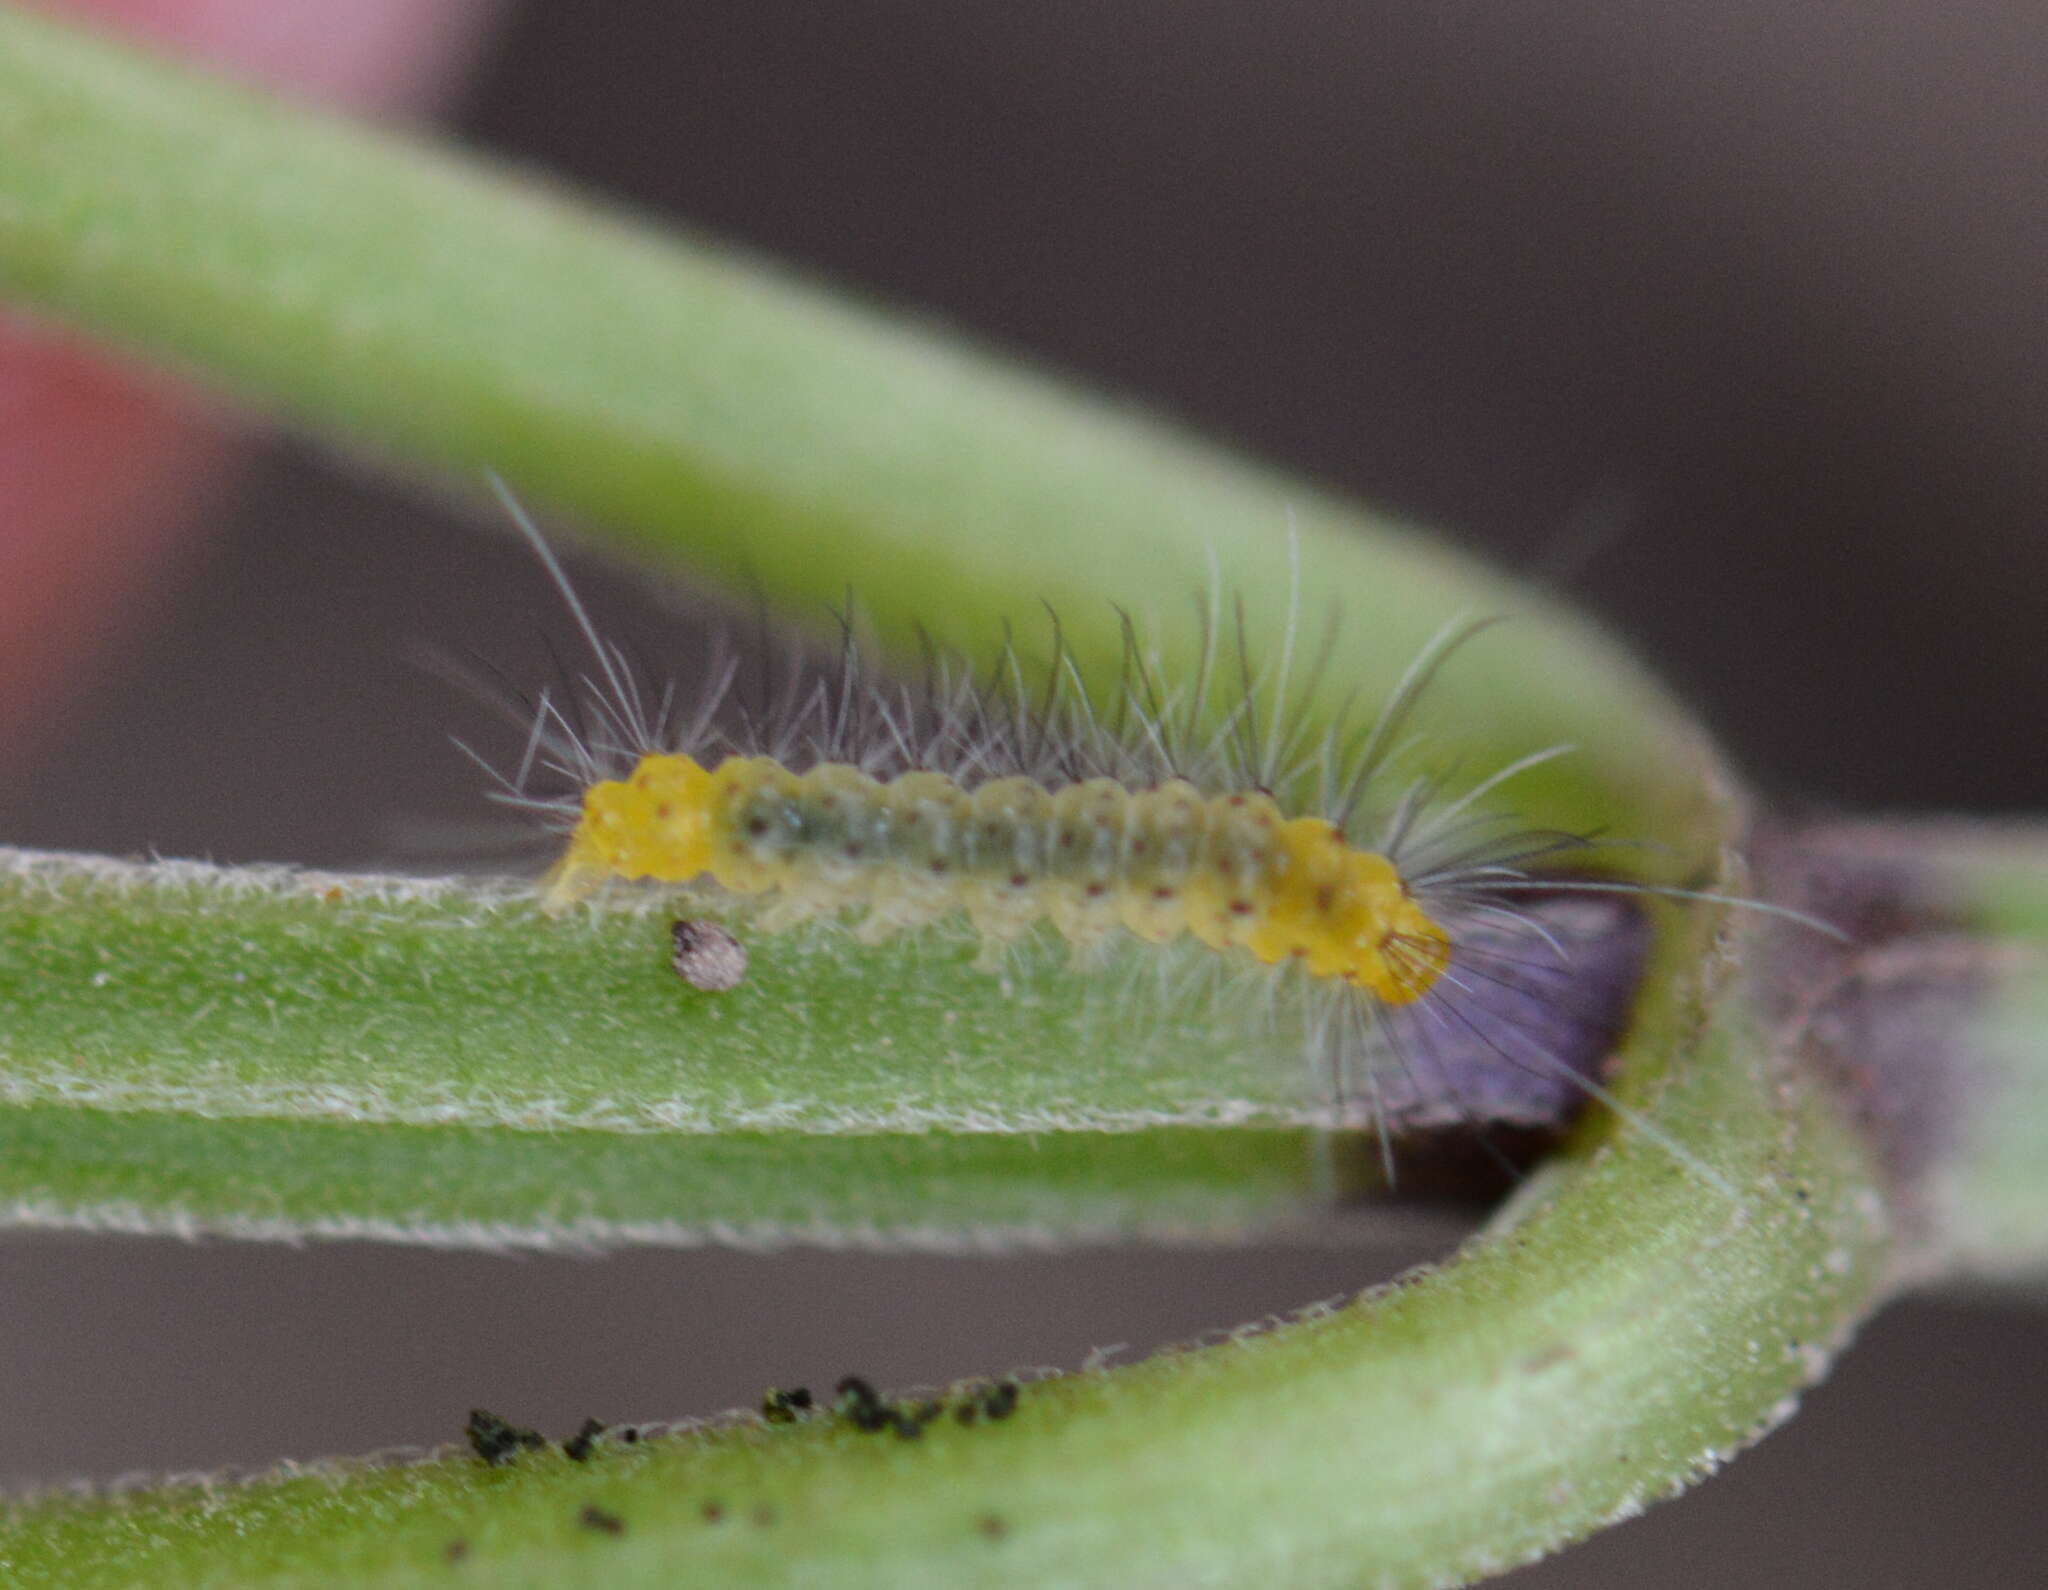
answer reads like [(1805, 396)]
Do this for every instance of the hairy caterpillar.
[(1405, 937), (1089, 858)]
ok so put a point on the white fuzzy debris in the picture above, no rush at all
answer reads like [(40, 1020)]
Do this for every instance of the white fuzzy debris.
[(707, 956)]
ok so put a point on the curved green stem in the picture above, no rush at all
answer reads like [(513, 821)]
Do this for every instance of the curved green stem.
[(1625, 1330)]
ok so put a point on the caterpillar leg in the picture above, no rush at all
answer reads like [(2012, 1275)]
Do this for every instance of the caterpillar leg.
[(899, 911), (1089, 952), (996, 942), (877, 927), (787, 911)]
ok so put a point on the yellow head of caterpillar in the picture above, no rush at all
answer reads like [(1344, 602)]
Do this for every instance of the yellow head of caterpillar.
[(655, 824), (1408, 950), (1347, 914)]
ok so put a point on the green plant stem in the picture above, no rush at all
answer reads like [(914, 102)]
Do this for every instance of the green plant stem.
[(1624, 1332), (275, 1053)]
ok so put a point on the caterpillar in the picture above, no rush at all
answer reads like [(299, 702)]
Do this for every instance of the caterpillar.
[(1429, 951), (1090, 858)]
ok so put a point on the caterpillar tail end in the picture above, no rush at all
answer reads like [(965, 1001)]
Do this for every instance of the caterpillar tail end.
[(581, 869), (656, 824), (570, 881)]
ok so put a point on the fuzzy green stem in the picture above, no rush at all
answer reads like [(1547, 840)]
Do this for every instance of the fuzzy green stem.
[(264, 1052), (1624, 1330)]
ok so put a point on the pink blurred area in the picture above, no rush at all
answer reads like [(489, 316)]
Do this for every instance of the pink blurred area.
[(104, 465), (375, 56)]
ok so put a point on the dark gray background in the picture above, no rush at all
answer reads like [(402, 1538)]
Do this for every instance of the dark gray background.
[(1734, 315)]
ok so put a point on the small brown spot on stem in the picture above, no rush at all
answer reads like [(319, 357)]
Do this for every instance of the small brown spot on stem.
[(782, 1407), (1002, 1401), (595, 1517), (498, 1441)]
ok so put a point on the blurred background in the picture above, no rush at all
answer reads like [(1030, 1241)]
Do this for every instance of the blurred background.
[(1728, 320)]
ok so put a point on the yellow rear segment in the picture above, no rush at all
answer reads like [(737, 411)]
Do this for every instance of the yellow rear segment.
[(657, 824), (1346, 913)]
